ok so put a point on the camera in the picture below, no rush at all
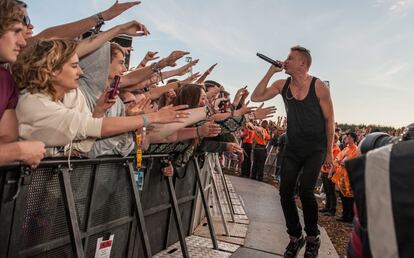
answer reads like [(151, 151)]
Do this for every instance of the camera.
[(379, 139), (382, 180)]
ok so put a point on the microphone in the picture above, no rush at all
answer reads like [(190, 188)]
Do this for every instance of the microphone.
[(270, 60)]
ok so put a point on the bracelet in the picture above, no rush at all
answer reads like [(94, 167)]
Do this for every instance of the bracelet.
[(160, 74), (209, 111), (145, 119), (154, 67), (198, 132), (98, 18)]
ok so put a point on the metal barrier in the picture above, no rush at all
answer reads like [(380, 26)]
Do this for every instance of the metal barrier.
[(56, 212)]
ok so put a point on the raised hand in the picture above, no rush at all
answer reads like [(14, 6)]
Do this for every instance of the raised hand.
[(117, 8), (172, 59), (234, 147), (133, 28), (206, 73), (244, 110), (170, 114), (104, 103), (242, 92), (209, 129), (186, 68), (151, 56), (142, 107), (192, 78), (263, 113)]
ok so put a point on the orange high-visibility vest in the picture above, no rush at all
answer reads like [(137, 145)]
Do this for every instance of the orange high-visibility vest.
[(341, 178)]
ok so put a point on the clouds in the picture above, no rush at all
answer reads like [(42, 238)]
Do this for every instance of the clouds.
[(362, 47), (205, 28), (396, 6)]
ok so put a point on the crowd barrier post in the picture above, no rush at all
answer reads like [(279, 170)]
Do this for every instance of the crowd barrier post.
[(225, 188), (213, 182), (205, 205)]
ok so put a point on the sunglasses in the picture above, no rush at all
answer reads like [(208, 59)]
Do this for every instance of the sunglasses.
[(26, 21)]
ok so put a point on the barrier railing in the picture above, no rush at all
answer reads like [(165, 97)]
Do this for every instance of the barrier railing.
[(56, 212)]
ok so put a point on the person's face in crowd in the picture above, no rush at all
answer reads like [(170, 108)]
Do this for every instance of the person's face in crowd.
[(68, 77), (203, 98), (171, 94), (28, 26), (349, 140), (293, 62), (11, 43), (117, 66), (215, 90), (279, 131), (128, 99)]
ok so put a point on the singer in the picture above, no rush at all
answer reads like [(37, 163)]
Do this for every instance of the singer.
[(310, 131)]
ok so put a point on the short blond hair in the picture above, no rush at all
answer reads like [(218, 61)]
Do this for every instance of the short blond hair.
[(35, 66), (10, 13), (306, 54)]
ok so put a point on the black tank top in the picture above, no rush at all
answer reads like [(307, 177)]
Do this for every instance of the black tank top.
[(306, 124)]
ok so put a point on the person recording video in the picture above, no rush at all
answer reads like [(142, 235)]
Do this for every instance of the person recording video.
[(310, 133)]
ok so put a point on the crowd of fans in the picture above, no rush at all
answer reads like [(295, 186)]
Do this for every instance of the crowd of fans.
[(58, 94)]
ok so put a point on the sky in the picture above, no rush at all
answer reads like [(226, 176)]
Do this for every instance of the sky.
[(363, 48)]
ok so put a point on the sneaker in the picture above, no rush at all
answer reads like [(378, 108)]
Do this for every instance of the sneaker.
[(312, 247), (294, 246), (330, 214), (324, 210), (345, 220)]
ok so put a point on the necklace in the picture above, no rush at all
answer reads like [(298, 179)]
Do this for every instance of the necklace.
[(291, 93), (291, 97)]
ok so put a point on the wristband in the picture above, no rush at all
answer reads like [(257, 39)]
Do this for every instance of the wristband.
[(198, 132), (145, 119)]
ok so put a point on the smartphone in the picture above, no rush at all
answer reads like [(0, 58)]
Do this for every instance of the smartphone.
[(270, 60), (114, 87)]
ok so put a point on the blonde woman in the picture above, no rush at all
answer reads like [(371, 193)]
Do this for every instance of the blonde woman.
[(52, 108)]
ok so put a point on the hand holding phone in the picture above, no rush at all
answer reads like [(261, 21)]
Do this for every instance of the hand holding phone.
[(113, 89)]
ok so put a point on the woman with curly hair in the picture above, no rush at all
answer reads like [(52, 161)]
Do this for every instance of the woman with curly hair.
[(52, 108)]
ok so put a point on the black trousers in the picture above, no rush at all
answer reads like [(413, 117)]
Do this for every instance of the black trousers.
[(259, 158), (347, 207), (329, 188), (289, 176), (278, 163), (246, 165)]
